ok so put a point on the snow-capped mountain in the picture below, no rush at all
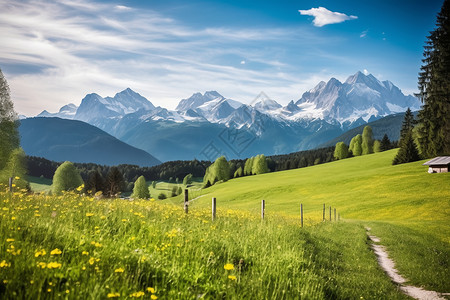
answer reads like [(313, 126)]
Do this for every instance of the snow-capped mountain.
[(66, 112), (360, 96), (322, 113)]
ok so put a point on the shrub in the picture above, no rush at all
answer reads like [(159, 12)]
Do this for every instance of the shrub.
[(162, 196), (140, 189), (66, 178)]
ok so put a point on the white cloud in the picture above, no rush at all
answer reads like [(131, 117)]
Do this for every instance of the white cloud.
[(366, 72), (323, 16), (242, 62), (122, 7)]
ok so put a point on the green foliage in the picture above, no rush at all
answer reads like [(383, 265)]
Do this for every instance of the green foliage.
[(341, 151), (154, 184), (66, 178), (355, 145), (385, 143), (8, 123), (367, 141), (239, 173), (180, 190), (114, 182), (15, 168), (408, 151), (140, 190), (187, 179), (95, 182), (260, 165), (376, 146), (162, 196), (218, 171), (434, 87), (248, 166)]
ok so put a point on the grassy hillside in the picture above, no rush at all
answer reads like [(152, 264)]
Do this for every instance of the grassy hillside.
[(365, 188), (405, 206)]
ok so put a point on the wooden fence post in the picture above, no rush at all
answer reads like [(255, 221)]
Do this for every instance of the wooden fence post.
[(301, 215), (263, 208), (186, 200), (10, 184), (213, 208), (330, 213), (323, 219), (335, 214)]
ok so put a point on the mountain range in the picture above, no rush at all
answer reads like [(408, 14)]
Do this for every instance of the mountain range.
[(60, 140), (237, 129)]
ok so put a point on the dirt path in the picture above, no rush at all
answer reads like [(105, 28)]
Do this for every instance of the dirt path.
[(388, 266)]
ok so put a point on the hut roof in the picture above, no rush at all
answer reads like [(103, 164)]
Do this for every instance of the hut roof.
[(440, 160)]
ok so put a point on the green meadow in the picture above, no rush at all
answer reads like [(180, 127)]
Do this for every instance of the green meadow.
[(79, 247)]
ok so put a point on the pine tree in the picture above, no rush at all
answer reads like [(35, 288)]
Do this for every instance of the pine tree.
[(114, 182), (433, 131), (8, 123), (95, 182), (408, 150), (407, 125), (385, 143)]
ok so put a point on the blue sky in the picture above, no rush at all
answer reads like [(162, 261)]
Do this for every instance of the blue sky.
[(56, 52)]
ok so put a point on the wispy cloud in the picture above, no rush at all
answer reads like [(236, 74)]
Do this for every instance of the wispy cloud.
[(69, 48), (323, 16), (364, 33)]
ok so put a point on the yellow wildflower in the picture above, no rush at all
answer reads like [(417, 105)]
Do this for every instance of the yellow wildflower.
[(113, 295), (17, 178), (42, 265), (232, 277), (119, 270), (40, 253), (80, 188), (228, 267), (84, 253), (10, 240), (154, 297), (89, 214), (137, 294), (4, 264), (53, 265), (55, 252), (91, 261), (151, 290)]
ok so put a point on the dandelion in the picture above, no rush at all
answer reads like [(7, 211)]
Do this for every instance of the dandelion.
[(10, 240), (113, 295), (31, 281), (232, 277), (89, 214), (119, 270), (80, 188), (42, 265), (4, 264), (228, 267), (137, 294), (53, 265), (103, 217), (84, 253), (151, 290), (40, 253), (17, 178), (154, 297), (91, 261), (55, 252)]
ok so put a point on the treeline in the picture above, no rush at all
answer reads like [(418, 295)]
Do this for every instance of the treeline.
[(38, 166)]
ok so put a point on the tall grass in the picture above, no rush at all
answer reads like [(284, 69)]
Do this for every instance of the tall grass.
[(78, 247)]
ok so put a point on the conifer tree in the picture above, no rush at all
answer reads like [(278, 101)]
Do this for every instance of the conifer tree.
[(434, 89), (95, 182), (407, 124), (114, 182), (408, 150), (385, 143)]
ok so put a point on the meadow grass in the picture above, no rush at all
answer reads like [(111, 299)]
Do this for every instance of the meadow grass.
[(78, 247), (403, 203), (39, 184)]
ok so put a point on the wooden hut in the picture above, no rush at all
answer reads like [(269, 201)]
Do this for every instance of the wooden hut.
[(440, 164)]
